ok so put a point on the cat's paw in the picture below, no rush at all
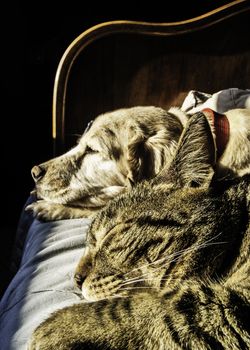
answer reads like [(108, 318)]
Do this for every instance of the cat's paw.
[(41, 341), (35, 345), (55, 332), (47, 211)]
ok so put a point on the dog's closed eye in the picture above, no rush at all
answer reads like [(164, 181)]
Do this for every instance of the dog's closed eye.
[(89, 150)]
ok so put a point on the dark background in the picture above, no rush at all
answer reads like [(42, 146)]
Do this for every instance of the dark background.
[(34, 38)]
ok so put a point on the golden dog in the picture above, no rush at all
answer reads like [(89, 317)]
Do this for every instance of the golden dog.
[(121, 148)]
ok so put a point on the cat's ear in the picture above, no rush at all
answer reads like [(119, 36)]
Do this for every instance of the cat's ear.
[(195, 157)]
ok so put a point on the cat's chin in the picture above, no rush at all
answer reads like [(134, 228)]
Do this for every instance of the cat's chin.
[(92, 297), (88, 296)]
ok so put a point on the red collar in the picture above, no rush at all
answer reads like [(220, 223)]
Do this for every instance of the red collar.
[(221, 128)]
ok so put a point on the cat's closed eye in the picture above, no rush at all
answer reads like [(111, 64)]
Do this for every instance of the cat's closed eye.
[(151, 251), (152, 255)]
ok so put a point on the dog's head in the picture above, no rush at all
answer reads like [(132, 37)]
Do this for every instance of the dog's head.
[(119, 149)]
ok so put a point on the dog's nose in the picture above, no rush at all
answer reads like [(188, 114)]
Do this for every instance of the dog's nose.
[(37, 172)]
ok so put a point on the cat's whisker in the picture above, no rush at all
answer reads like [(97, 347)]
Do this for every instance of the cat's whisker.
[(146, 265), (175, 256), (133, 288), (167, 258), (135, 280), (178, 255), (190, 250), (116, 296), (140, 279)]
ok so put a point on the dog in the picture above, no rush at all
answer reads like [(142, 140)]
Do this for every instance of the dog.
[(124, 147)]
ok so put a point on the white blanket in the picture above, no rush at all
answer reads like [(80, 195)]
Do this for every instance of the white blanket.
[(44, 281)]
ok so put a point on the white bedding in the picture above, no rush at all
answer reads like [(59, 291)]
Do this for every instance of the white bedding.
[(44, 282)]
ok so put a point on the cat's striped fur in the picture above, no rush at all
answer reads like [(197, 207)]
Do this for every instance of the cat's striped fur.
[(167, 265)]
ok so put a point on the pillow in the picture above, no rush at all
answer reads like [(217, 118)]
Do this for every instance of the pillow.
[(220, 101)]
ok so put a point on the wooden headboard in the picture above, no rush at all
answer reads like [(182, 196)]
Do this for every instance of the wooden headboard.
[(123, 64)]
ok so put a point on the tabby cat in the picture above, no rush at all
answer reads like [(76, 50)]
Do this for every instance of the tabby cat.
[(167, 265)]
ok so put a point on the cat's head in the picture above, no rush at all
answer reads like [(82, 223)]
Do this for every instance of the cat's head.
[(132, 242)]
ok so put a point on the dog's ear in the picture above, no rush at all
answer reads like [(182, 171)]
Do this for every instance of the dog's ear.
[(195, 157), (138, 159), (148, 152)]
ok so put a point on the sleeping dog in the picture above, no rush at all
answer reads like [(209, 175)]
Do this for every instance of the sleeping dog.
[(124, 147)]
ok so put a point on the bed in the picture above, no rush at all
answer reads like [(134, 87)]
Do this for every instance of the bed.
[(197, 62)]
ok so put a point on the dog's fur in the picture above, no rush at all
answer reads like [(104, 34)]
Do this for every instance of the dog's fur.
[(121, 148)]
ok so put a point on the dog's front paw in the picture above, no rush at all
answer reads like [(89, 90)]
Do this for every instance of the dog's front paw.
[(47, 211)]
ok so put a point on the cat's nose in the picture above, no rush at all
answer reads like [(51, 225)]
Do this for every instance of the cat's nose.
[(37, 172), (79, 279)]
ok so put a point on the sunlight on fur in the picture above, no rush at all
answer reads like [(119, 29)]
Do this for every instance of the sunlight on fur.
[(120, 149)]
